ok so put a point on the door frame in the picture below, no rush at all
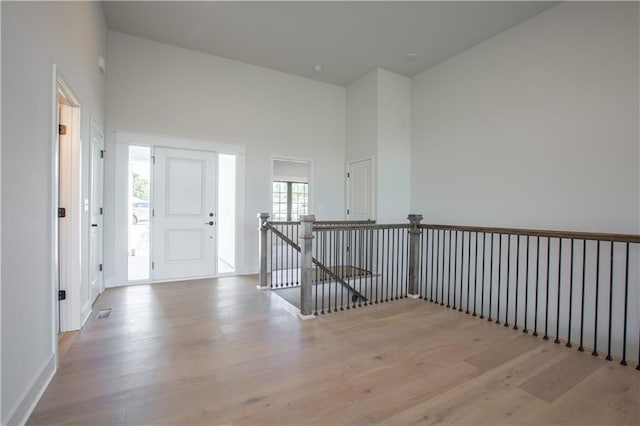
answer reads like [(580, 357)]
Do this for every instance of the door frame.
[(117, 216), (95, 130), (347, 191), (68, 316)]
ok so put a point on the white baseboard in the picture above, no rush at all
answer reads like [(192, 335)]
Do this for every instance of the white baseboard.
[(84, 315), (27, 403)]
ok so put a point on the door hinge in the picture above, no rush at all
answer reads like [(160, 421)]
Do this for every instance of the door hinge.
[(100, 210), (62, 294), (153, 212), (62, 212), (347, 211), (62, 129), (348, 174), (153, 265), (102, 151), (100, 267), (153, 159)]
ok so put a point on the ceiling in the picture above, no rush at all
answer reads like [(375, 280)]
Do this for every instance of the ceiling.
[(348, 39)]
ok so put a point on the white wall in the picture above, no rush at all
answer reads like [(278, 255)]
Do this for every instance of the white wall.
[(362, 117), (394, 144), (158, 88), (378, 125), (536, 127), (34, 37)]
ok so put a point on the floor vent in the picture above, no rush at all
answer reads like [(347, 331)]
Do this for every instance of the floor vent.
[(104, 313)]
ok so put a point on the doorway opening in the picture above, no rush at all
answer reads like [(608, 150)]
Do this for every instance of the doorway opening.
[(139, 213), (181, 213), (72, 305)]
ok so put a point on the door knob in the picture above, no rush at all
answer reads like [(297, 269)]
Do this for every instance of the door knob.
[(210, 223)]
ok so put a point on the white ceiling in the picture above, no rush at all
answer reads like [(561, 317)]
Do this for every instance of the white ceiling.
[(348, 39)]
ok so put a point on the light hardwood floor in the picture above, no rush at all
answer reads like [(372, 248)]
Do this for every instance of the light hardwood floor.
[(220, 351)]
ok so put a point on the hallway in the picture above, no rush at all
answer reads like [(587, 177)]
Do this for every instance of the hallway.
[(219, 351)]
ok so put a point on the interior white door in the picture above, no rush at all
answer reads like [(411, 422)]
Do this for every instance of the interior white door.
[(360, 196), (184, 220), (96, 235)]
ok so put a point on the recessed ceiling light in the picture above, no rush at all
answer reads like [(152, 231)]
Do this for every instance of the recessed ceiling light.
[(317, 68), (410, 56)]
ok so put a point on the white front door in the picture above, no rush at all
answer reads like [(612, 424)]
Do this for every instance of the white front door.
[(360, 197), (96, 235), (184, 218)]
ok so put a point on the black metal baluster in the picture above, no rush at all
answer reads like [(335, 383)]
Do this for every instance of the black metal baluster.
[(508, 284), (570, 293), (339, 268), (626, 293), (455, 268), (608, 358), (468, 275), (314, 277), (290, 257), (584, 263), (535, 317), (425, 269), (392, 264), (515, 315), (484, 249), (421, 264), (365, 267), (322, 250), (546, 305), (271, 258), (349, 264), (461, 270), (526, 290), (595, 322), (329, 245), (491, 280), (444, 244), (557, 340), (449, 275), (343, 245), (387, 266), (475, 278), (378, 287), (499, 276), (401, 282), (437, 262)]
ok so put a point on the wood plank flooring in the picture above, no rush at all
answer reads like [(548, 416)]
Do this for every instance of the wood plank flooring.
[(220, 351)]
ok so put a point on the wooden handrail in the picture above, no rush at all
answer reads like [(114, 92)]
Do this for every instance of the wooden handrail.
[(590, 236)]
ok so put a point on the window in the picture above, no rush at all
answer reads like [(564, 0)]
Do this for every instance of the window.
[(290, 200)]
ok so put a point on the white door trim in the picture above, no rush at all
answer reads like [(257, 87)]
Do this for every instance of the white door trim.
[(373, 185), (117, 220), (73, 313), (150, 139), (95, 131)]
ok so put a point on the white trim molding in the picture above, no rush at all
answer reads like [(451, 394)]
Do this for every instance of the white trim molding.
[(27, 402), (149, 139)]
